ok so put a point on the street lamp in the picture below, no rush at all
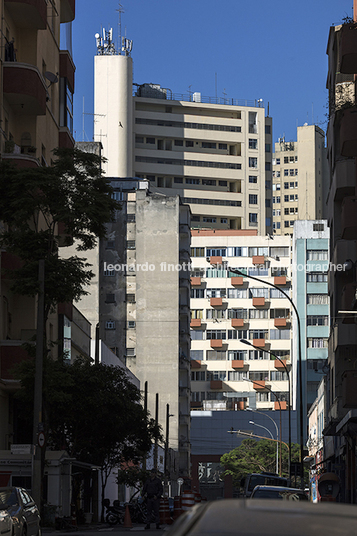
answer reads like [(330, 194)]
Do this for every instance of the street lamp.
[(289, 403), (277, 399), (301, 419), (277, 444)]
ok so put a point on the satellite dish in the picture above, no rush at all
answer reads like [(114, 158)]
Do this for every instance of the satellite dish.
[(97, 35), (53, 78)]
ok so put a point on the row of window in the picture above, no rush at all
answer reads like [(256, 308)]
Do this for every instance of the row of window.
[(240, 313), (287, 173), (236, 334), (287, 185), (287, 198), (200, 396), (184, 162), (235, 293), (287, 160), (233, 375), (239, 355), (262, 270), (186, 124), (281, 251)]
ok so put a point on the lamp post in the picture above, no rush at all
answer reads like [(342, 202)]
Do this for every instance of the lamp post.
[(276, 428), (277, 399), (301, 418), (277, 444), (289, 403)]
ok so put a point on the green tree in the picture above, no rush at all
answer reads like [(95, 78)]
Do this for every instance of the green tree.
[(45, 208), (254, 456), (91, 410)]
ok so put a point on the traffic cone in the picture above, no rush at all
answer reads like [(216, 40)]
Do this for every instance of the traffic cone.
[(127, 519)]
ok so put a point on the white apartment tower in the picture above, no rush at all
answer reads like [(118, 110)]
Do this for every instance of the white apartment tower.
[(299, 179)]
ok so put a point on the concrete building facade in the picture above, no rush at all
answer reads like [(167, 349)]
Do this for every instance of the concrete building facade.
[(310, 294), (299, 179), (226, 308)]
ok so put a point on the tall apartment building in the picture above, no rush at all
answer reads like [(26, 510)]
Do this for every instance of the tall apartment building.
[(310, 295), (341, 383), (215, 153), (36, 93), (299, 179), (225, 308)]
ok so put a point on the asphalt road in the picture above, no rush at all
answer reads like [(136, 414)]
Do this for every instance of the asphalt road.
[(101, 530)]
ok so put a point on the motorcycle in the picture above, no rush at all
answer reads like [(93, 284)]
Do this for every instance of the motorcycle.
[(114, 514)]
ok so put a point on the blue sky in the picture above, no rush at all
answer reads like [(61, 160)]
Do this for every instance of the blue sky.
[(275, 51)]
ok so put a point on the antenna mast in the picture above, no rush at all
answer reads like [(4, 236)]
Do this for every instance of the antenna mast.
[(120, 11)]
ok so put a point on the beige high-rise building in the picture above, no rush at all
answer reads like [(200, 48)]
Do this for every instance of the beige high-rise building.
[(299, 179)]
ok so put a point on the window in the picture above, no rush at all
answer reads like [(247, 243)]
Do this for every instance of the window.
[(130, 218), (278, 271), (312, 277), (286, 185), (317, 255), (318, 299), (118, 196), (178, 180), (257, 355), (259, 376), (286, 198), (130, 298), (217, 375), (276, 293), (195, 218), (208, 145), (286, 211), (237, 293), (267, 129), (292, 210), (222, 146), (197, 293), (317, 342), (222, 183), (109, 273), (258, 251), (192, 181), (262, 397), (292, 173), (131, 324), (253, 179), (279, 251), (224, 220), (292, 197), (317, 320), (278, 185), (276, 199), (215, 314), (207, 219), (253, 199), (237, 313), (196, 313), (278, 161), (110, 324), (130, 244), (130, 352), (258, 292), (258, 313), (215, 293), (196, 354), (279, 334), (286, 224), (150, 140), (253, 162), (318, 227), (179, 143), (237, 252), (267, 166), (253, 218), (239, 355), (212, 334), (258, 334), (259, 270), (209, 182), (189, 143), (216, 272), (286, 173), (286, 159), (267, 148), (198, 376), (216, 252), (253, 144), (236, 375), (196, 335), (139, 139), (197, 252), (236, 334), (198, 396), (278, 376), (216, 355)]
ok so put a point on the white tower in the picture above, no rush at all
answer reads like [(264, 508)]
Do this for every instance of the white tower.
[(113, 104)]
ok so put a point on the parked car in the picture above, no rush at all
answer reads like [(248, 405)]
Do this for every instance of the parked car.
[(20, 506), (5, 521), (278, 492), (253, 517)]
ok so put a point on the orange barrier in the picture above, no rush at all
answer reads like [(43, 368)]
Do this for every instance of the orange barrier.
[(164, 511), (177, 507), (188, 500), (127, 519)]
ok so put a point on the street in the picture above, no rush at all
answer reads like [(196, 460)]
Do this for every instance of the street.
[(98, 530)]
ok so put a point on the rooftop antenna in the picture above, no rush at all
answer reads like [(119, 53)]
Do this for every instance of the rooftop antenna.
[(120, 11)]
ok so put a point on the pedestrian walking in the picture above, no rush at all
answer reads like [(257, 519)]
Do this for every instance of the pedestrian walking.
[(152, 491)]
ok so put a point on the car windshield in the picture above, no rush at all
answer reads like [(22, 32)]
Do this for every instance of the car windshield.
[(281, 495), (7, 498)]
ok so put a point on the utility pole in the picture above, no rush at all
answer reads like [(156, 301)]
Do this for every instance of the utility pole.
[(157, 423)]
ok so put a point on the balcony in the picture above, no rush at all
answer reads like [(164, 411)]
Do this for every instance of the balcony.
[(258, 259), (280, 405), (195, 364), (343, 179), (348, 132), (11, 354), (216, 343), (195, 281), (348, 49), (259, 342), (349, 218), (195, 323), (280, 364), (24, 89), (258, 302), (280, 280), (258, 384), (195, 405), (67, 68), (31, 14), (215, 260), (216, 384), (237, 364), (348, 301), (237, 281), (68, 10), (237, 322), (65, 138), (216, 302), (280, 322)]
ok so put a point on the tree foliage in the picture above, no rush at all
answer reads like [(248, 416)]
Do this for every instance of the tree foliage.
[(254, 456), (45, 208)]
